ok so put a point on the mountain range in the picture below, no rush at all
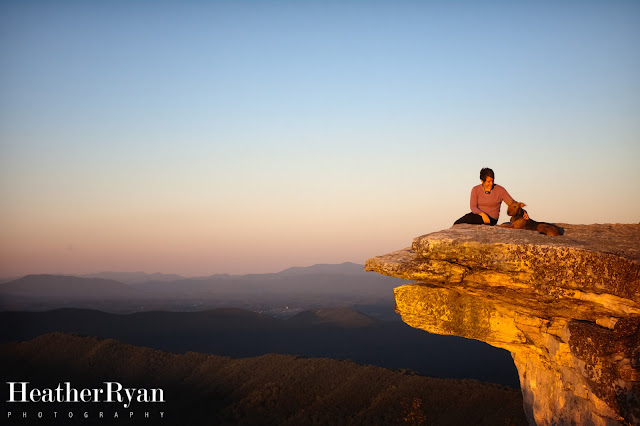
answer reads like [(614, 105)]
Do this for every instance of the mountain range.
[(314, 286), (333, 311), (338, 333)]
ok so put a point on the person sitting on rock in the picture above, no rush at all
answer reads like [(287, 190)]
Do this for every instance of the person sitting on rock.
[(485, 201)]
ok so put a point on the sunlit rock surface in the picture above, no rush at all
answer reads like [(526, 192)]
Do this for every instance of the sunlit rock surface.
[(568, 309)]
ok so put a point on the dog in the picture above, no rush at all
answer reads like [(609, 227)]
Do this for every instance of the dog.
[(518, 221)]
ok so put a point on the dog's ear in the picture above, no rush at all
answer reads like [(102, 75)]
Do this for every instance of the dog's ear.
[(522, 204)]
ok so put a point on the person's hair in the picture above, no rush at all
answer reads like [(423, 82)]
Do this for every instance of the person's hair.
[(486, 172)]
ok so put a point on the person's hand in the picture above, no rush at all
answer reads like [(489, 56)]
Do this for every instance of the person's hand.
[(485, 218)]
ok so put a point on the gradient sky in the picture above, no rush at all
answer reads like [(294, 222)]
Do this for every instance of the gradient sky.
[(202, 137)]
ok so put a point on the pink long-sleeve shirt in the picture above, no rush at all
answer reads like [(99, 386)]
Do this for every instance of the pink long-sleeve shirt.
[(489, 203)]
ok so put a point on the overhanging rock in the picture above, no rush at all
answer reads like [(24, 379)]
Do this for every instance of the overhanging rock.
[(568, 309)]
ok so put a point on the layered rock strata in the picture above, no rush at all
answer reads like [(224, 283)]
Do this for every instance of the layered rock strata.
[(567, 308)]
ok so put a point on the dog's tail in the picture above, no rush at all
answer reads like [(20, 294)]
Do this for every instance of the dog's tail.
[(545, 228)]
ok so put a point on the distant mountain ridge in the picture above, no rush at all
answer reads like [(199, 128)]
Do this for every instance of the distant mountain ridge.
[(346, 268), (64, 286), (346, 283), (137, 277), (134, 277), (344, 317)]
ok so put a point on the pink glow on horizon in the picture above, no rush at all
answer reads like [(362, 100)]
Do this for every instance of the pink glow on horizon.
[(143, 137)]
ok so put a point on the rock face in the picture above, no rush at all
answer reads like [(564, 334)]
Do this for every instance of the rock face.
[(567, 308)]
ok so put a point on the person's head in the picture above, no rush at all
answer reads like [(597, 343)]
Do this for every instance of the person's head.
[(485, 173)]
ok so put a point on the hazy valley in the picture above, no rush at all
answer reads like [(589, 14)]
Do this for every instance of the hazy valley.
[(320, 312), (279, 294)]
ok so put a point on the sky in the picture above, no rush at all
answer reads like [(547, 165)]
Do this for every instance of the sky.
[(202, 137)]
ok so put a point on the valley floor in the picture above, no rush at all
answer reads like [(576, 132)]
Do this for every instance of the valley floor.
[(265, 390)]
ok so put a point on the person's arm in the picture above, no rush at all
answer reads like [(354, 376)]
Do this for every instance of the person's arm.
[(473, 203)]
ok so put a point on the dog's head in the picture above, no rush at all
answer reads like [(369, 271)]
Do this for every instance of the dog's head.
[(515, 208)]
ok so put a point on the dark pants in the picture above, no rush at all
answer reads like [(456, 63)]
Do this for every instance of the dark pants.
[(474, 219)]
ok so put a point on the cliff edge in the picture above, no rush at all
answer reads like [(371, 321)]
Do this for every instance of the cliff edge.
[(567, 308)]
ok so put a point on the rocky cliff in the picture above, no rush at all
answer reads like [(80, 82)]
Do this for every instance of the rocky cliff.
[(567, 308)]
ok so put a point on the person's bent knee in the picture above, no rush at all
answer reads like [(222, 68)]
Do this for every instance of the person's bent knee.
[(470, 219)]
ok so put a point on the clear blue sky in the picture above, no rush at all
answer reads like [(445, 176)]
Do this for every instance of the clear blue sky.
[(199, 137)]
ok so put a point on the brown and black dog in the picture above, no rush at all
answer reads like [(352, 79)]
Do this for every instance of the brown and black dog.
[(518, 221)]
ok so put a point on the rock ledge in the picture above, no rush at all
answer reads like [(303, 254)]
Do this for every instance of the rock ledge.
[(568, 308)]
